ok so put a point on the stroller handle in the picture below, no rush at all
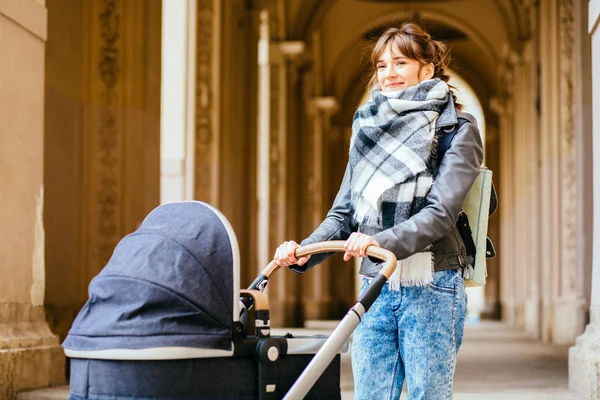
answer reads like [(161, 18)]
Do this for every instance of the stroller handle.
[(338, 246)]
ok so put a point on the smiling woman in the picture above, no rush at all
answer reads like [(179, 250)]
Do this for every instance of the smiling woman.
[(471, 104), (387, 198)]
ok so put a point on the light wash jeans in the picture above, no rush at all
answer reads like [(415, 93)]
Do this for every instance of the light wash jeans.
[(412, 334)]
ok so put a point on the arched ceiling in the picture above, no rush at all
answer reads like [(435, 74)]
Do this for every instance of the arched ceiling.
[(479, 33)]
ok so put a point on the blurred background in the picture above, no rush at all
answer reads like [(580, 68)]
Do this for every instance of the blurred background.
[(109, 108)]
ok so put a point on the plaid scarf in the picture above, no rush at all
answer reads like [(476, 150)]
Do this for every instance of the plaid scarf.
[(393, 138)]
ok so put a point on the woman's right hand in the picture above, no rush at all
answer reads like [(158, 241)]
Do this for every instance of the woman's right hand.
[(284, 255)]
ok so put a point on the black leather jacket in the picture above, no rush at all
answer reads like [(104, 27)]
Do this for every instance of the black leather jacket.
[(435, 224)]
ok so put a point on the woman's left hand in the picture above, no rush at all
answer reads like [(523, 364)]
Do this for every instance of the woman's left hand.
[(356, 245)]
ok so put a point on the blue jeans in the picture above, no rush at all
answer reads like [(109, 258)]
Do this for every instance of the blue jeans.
[(413, 334)]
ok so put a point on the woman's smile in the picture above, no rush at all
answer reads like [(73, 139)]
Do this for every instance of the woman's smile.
[(394, 85)]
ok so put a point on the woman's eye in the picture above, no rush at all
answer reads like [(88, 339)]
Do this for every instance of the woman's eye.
[(380, 66), (401, 63)]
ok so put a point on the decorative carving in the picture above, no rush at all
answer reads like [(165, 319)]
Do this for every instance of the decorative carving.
[(328, 105), (569, 264), (108, 135), (525, 12), (296, 58), (204, 102)]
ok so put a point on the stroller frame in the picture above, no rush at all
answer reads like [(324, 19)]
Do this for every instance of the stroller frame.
[(345, 328)]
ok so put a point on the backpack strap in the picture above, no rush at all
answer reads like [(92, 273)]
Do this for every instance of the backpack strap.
[(446, 138), (444, 143)]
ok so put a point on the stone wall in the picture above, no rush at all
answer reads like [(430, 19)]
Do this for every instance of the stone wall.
[(30, 355)]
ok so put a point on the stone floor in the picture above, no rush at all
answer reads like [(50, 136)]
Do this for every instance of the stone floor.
[(494, 363)]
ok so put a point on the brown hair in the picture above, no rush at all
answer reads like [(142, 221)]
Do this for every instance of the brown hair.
[(414, 42)]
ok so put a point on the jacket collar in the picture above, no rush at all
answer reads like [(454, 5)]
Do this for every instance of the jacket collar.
[(448, 116)]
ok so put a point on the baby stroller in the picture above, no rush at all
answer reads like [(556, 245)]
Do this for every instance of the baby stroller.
[(163, 320)]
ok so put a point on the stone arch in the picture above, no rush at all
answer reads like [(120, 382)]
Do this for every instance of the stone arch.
[(310, 13), (492, 50)]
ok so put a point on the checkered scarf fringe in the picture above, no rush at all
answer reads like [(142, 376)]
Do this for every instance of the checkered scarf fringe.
[(392, 152)]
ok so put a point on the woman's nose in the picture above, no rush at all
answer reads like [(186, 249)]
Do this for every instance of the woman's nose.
[(391, 71)]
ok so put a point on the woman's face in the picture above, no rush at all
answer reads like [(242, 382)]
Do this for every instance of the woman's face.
[(397, 72)]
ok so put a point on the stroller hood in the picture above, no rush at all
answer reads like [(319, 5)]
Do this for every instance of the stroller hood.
[(172, 282)]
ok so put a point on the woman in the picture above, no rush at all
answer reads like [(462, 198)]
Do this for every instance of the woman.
[(396, 194)]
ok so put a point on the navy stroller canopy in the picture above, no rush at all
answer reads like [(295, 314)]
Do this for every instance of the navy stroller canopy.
[(172, 283)]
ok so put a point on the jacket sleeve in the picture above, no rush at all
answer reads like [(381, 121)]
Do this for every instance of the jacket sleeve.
[(456, 174), (338, 225)]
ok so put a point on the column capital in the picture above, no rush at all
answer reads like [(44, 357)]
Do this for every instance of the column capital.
[(292, 48), (527, 52), (293, 51), (497, 105), (509, 55), (328, 105), (583, 358)]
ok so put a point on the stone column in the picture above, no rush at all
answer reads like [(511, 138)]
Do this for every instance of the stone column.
[(178, 92), (492, 309), (562, 283), (30, 355), (549, 159), (206, 141), (263, 136), (314, 289), (102, 139), (318, 292), (284, 290), (521, 233), (584, 357), (569, 318), (274, 57), (519, 191), (343, 276), (529, 197), (224, 119), (121, 146), (505, 182), (541, 269), (517, 184)]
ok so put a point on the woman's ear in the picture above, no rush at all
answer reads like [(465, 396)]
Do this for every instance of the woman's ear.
[(427, 71)]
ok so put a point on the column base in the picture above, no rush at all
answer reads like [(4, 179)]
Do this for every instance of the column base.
[(508, 313), (317, 309), (56, 393), (568, 319), (30, 368), (584, 360), (30, 355), (492, 310), (292, 314), (286, 313), (60, 318), (532, 317)]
